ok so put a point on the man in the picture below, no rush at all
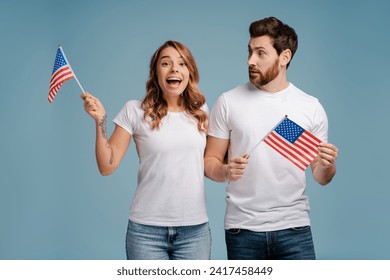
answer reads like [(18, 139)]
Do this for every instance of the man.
[(267, 215)]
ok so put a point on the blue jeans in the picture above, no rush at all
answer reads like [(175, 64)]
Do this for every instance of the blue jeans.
[(287, 244), (168, 243)]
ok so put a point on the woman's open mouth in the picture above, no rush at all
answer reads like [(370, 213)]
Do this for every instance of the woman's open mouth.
[(174, 81)]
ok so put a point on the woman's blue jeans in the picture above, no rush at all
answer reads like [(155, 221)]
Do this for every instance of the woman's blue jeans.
[(287, 244), (145, 242)]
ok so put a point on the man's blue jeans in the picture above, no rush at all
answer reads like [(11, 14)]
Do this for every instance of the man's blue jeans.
[(168, 243), (287, 244)]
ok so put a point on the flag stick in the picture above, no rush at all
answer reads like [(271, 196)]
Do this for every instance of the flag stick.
[(266, 136), (75, 77)]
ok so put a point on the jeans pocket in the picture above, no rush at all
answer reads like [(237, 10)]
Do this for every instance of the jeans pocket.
[(303, 228), (233, 231)]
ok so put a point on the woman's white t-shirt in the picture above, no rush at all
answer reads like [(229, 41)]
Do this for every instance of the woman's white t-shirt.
[(170, 189)]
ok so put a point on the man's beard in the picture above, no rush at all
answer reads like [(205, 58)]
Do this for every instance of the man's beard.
[(263, 79)]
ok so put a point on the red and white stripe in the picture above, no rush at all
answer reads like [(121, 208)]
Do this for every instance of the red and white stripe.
[(62, 75), (301, 153)]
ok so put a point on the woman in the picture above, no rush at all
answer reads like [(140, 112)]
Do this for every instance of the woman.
[(168, 217)]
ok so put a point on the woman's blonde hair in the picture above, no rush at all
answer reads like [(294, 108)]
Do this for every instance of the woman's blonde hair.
[(154, 104)]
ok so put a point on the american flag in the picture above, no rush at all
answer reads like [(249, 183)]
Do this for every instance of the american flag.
[(294, 143), (62, 72)]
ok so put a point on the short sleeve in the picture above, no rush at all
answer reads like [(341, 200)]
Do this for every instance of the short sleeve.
[(320, 129), (205, 109), (218, 122), (127, 117)]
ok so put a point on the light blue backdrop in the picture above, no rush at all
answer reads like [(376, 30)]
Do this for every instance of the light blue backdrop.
[(54, 204)]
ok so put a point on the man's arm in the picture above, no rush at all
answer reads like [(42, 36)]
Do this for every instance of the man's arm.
[(324, 165), (214, 165)]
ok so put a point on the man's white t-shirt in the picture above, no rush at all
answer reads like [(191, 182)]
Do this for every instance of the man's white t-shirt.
[(271, 194), (170, 189)]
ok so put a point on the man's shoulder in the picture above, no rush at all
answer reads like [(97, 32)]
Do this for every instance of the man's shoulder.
[(238, 92), (242, 88), (300, 94)]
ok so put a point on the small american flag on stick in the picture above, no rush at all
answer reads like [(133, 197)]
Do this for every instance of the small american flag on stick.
[(294, 143), (62, 72)]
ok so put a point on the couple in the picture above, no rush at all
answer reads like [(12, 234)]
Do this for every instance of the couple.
[(267, 214)]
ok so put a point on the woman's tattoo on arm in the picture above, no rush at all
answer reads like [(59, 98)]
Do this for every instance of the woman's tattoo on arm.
[(103, 127)]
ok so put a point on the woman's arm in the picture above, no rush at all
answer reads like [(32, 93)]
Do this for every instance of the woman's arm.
[(109, 151)]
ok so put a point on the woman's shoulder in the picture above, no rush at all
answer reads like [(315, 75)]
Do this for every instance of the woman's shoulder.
[(132, 108), (205, 108), (133, 104)]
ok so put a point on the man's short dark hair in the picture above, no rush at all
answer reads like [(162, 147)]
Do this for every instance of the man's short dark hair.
[(282, 35)]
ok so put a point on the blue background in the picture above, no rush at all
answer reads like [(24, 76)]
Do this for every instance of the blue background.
[(54, 204)]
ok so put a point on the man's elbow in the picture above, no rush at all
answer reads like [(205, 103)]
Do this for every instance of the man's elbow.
[(324, 182), (208, 168)]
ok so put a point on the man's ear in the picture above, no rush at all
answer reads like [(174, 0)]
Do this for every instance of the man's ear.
[(285, 57)]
